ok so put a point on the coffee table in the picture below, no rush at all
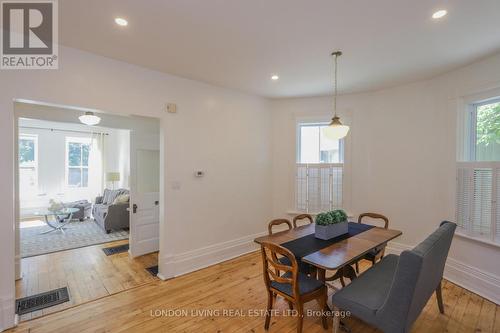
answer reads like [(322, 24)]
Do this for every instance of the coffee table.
[(57, 224)]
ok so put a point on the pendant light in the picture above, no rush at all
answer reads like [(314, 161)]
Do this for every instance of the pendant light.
[(89, 118), (336, 130)]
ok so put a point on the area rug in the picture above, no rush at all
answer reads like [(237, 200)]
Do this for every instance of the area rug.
[(77, 234)]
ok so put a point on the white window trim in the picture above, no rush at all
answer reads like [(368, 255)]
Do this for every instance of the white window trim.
[(472, 122), (69, 140), (313, 124), (462, 234), (346, 181), (466, 154)]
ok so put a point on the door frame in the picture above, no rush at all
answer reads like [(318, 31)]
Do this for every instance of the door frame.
[(164, 272)]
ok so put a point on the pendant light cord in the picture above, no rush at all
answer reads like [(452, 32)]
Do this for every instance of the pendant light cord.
[(335, 55), (335, 84)]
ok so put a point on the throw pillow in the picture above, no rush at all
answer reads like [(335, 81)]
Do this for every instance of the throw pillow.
[(106, 196), (121, 199)]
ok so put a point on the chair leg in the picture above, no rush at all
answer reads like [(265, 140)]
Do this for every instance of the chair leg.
[(357, 267), (439, 297), (300, 317), (336, 320), (270, 299), (324, 307)]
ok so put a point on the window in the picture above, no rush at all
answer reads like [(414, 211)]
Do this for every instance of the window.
[(478, 176), (315, 147), (28, 164), (77, 162), (319, 170)]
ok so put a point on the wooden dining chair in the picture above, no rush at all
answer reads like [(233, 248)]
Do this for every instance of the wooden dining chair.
[(303, 267), (378, 253), (302, 217), (297, 288), (277, 222)]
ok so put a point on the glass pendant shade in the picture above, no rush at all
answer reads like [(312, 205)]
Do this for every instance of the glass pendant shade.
[(89, 118), (336, 130)]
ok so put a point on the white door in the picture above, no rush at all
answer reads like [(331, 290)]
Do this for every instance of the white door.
[(144, 194)]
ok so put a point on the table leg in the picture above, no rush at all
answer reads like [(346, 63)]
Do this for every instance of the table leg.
[(321, 274), (54, 226), (349, 272), (68, 220)]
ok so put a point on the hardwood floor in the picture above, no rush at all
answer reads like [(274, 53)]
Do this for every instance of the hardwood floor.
[(238, 285), (87, 272)]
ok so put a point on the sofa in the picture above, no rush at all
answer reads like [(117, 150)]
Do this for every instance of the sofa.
[(110, 215)]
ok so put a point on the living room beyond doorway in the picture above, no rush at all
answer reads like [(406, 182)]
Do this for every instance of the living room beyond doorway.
[(82, 192), (73, 186)]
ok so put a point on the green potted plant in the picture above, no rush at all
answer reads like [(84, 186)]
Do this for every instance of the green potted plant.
[(331, 224)]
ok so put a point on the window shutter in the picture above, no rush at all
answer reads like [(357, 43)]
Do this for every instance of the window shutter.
[(337, 186), (318, 187), (497, 205), (481, 217), (301, 187), (314, 183), (477, 201), (464, 198)]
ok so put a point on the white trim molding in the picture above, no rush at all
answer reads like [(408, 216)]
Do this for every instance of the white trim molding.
[(7, 308), (190, 261), (471, 278)]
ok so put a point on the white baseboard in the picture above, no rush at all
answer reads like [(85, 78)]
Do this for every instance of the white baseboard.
[(471, 278), (484, 284), (183, 263), (7, 310)]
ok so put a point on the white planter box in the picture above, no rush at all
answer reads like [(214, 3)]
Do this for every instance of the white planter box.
[(326, 232)]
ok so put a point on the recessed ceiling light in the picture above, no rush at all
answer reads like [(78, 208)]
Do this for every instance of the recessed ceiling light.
[(275, 77), (121, 21), (440, 13)]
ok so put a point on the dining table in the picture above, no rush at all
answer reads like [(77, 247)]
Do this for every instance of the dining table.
[(336, 254)]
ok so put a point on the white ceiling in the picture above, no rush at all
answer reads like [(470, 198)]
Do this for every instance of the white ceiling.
[(240, 43)]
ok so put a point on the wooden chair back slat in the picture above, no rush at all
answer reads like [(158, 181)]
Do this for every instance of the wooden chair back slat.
[(375, 216), (273, 268), (279, 278), (277, 222), (302, 217)]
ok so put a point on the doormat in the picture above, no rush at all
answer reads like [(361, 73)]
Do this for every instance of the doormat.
[(41, 301), (153, 270), (115, 249)]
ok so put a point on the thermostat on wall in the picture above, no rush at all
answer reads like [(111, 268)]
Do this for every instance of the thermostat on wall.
[(171, 108)]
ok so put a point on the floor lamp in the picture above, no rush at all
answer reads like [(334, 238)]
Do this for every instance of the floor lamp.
[(113, 177)]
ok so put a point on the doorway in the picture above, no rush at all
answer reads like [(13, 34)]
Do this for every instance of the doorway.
[(133, 169)]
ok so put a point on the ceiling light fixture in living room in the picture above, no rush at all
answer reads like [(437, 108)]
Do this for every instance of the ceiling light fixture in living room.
[(89, 118)]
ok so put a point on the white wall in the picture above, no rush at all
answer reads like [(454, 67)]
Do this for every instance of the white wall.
[(117, 157), (223, 132), (402, 161)]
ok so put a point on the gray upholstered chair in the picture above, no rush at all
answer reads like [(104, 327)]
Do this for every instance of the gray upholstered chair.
[(111, 216), (391, 294)]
